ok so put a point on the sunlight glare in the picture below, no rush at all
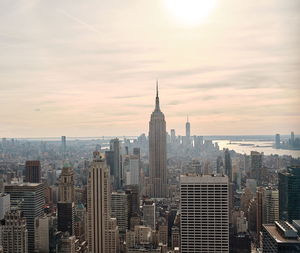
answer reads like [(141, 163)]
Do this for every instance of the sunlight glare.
[(191, 12)]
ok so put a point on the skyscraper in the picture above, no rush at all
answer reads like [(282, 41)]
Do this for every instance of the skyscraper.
[(30, 197), (204, 213), (63, 144), (102, 230), (149, 214), (187, 129), (116, 168), (119, 209), (256, 166), (66, 206), (289, 194), (158, 152), (65, 217), (277, 141), (228, 164), (292, 139), (267, 210), (66, 184), (33, 172)]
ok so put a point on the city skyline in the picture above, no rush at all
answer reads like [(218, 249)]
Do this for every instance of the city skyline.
[(81, 69)]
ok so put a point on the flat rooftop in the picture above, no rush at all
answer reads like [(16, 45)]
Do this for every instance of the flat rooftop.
[(272, 230), (200, 178)]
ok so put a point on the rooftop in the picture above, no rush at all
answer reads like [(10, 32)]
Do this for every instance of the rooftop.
[(277, 236), (200, 178)]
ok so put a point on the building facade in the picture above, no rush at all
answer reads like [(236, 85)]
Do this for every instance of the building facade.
[(204, 213)]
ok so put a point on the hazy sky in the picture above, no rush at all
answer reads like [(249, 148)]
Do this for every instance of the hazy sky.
[(88, 68)]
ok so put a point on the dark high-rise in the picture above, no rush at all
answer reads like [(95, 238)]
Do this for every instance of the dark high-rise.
[(65, 217), (32, 172), (115, 164), (228, 164), (289, 194)]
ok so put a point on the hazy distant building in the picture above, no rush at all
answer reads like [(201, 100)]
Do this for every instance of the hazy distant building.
[(30, 198), (281, 237), (289, 194), (277, 141), (173, 136), (32, 172), (204, 213), (228, 164), (158, 152), (115, 166), (14, 235), (133, 175), (256, 166), (63, 144), (292, 139)]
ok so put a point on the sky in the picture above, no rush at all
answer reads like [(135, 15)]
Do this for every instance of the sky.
[(89, 68)]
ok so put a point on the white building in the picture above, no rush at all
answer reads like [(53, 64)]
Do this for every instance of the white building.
[(204, 213)]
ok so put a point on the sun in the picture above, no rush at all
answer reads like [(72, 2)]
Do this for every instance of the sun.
[(191, 12)]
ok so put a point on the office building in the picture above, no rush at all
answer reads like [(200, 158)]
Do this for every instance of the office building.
[(228, 164), (280, 237), (30, 198), (267, 207), (14, 232), (32, 172), (133, 177), (65, 217), (256, 166), (4, 204), (204, 210), (157, 152), (289, 194), (115, 165), (67, 244), (149, 215), (119, 210), (102, 229), (44, 228)]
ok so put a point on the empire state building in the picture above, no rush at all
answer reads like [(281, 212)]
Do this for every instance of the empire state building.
[(158, 152)]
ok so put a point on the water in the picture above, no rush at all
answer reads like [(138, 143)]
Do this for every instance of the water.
[(260, 146)]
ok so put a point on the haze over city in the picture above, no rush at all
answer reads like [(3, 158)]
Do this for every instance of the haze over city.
[(89, 68)]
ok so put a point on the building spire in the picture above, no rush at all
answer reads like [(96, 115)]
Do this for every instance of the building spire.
[(157, 98)]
